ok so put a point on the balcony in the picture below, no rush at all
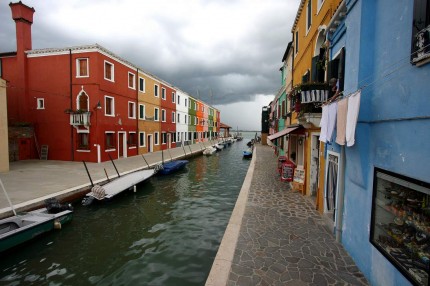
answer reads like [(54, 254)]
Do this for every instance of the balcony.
[(307, 99), (421, 47), (80, 120)]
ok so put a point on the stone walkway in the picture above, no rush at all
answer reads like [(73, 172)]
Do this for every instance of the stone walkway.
[(283, 240)]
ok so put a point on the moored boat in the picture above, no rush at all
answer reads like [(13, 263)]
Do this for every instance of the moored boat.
[(172, 166), (247, 153), (24, 227), (209, 150)]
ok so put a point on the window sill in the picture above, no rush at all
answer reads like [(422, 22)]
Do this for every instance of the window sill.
[(132, 147), (110, 150), (83, 150)]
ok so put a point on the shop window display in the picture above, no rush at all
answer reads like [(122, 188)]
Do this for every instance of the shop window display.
[(400, 227)]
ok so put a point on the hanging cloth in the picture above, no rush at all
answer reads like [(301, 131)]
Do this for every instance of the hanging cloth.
[(342, 109), (352, 116), (332, 112), (323, 124)]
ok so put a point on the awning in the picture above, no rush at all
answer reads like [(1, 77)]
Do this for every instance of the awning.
[(282, 133)]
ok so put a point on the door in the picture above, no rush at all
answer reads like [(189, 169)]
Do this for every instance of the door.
[(122, 144), (149, 142), (169, 142), (331, 183), (24, 148)]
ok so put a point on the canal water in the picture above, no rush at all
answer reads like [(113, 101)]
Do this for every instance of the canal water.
[(167, 233)]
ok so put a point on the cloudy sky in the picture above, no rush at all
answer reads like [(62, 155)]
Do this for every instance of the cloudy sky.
[(230, 48)]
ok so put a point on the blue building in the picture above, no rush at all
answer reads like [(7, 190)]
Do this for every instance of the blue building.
[(377, 189)]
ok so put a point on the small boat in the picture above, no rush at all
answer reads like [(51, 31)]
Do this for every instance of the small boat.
[(209, 150), (248, 153), (24, 227), (118, 185), (172, 166), (219, 146)]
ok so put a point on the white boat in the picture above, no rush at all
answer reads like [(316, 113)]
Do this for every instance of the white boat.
[(219, 146), (209, 150), (116, 186)]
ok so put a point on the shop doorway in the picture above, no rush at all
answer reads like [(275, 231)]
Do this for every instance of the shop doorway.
[(332, 171), (24, 148)]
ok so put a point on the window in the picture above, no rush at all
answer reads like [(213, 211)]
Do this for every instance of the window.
[(109, 71), (141, 112), (109, 140), (132, 139), (141, 84), (308, 16), (189, 119), (163, 138), (83, 141), (131, 80), (142, 139), (185, 102), (318, 66), (163, 115), (82, 101), (82, 67), (319, 5), (399, 223), (420, 53), (156, 114), (163, 93), (156, 90), (203, 108), (173, 97), (109, 106), (336, 69), (40, 103), (179, 118), (156, 138), (195, 106), (173, 138), (131, 109), (195, 120), (173, 117), (296, 42)]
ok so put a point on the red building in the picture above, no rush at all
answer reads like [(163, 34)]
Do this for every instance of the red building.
[(80, 101), (168, 116)]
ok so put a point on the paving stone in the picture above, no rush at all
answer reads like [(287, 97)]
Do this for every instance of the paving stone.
[(283, 240)]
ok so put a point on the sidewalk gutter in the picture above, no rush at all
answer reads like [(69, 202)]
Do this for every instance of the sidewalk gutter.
[(221, 266)]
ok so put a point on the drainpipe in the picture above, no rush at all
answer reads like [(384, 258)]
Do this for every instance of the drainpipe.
[(71, 105), (340, 197)]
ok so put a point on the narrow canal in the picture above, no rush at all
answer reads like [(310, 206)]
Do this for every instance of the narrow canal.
[(167, 233)]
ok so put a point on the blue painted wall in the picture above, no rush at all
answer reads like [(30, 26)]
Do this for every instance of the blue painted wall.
[(390, 133)]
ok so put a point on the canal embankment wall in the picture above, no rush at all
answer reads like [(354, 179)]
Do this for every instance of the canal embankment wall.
[(29, 183)]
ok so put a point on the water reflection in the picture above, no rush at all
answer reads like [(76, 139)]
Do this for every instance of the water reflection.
[(167, 233)]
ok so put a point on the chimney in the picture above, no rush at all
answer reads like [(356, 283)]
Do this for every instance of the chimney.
[(23, 17)]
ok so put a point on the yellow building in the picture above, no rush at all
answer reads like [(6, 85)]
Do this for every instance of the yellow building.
[(4, 146), (310, 53), (149, 113)]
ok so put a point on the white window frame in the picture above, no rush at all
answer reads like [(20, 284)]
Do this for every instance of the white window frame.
[(173, 97), (163, 93), (78, 67), (163, 115), (156, 138), (133, 104), (142, 144), (156, 112), (110, 132), (40, 103), (186, 102), (134, 80), (112, 107), (142, 114), (195, 105), (179, 99), (156, 90), (173, 117), (189, 119), (296, 42), (142, 87), (195, 120), (320, 3), (179, 118), (137, 143), (112, 71)]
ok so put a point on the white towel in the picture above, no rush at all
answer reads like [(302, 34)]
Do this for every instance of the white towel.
[(332, 112), (351, 117), (323, 124), (342, 109)]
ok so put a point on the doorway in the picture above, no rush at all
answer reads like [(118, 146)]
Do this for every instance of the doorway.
[(24, 148), (149, 142), (315, 151), (169, 142), (122, 144), (332, 171)]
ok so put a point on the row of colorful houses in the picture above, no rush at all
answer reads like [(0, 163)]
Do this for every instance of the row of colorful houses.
[(353, 113), (86, 103)]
